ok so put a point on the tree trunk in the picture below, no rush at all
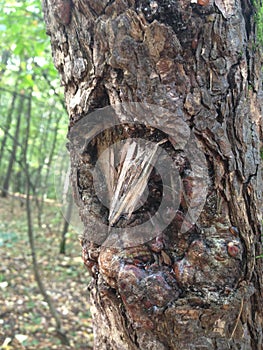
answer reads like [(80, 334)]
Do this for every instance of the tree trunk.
[(7, 126), (62, 245), (184, 78), (13, 154)]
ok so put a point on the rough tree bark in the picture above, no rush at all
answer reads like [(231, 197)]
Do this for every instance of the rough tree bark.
[(199, 288)]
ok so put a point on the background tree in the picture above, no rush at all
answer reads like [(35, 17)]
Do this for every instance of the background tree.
[(31, 132), (200, 288), (28, 84)]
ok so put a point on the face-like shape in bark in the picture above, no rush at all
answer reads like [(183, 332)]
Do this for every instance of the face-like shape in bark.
[(183, 256), (180, 287)]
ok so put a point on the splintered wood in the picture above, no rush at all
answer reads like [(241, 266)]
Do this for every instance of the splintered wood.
[(136, 163)]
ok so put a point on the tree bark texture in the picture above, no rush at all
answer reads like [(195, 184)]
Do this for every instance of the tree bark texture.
[(199, 289)]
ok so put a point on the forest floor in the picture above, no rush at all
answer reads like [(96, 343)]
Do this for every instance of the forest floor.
[(25, 320)]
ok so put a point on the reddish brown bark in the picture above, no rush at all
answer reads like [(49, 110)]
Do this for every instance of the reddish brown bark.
[(199, 288)]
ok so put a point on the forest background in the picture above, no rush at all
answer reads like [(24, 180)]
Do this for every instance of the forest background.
[(43, 283)]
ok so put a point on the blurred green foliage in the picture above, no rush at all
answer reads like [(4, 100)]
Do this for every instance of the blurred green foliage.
[(259, 20), (27, 74)]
